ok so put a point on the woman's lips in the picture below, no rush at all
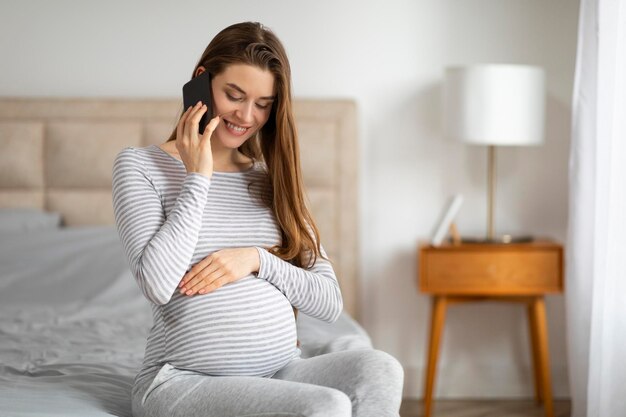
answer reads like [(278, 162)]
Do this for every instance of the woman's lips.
[(235, 129)]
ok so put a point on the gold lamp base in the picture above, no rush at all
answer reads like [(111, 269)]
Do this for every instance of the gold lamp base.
[(456, 239), (491, 235), (504, 239), (491, 239)]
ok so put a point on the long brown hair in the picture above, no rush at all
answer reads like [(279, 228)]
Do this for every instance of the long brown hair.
[(276, 143)]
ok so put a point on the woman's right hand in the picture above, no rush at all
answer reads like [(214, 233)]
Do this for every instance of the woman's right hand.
[(195, 149)]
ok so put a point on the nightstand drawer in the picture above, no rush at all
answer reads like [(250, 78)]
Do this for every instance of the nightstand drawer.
[(502, 269)]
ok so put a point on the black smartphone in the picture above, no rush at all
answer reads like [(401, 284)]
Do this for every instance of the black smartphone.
[(199, 89)]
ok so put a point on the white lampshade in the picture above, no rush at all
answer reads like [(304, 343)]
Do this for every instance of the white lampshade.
[(495, 104)]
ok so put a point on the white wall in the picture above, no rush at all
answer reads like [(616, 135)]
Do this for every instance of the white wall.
[(388, 56)]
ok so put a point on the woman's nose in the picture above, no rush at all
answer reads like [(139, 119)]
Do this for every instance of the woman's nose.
[(246, 112)]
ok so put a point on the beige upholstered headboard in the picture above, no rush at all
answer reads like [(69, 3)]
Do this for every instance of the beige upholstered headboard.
[(57, 155)]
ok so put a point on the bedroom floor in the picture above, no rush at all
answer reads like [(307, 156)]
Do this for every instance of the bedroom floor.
[(483, 408)]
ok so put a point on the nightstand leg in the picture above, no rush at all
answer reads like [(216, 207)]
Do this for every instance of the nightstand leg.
[(438, 316), (534, 346), (539, 313)]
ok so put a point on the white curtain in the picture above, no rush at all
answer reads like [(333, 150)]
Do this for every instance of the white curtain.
[(596, 243)]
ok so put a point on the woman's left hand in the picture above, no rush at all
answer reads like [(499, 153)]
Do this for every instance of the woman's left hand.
[(218, 269)]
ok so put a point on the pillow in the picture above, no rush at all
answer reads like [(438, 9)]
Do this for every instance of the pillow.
[(26, 219)]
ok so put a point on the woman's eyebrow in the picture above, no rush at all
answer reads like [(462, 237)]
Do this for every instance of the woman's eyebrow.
[(236, 87)]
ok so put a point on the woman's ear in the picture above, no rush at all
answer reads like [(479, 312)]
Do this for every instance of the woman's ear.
[(199, 70)]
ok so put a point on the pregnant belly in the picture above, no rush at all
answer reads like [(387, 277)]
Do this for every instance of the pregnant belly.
[(246, 327)]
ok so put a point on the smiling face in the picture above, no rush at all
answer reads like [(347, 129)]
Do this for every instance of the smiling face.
[(243, 94)]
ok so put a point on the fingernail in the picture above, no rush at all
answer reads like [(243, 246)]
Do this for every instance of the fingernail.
[(189, 292)]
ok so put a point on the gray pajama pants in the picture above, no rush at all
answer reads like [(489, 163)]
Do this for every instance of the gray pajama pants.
[(359, 383)]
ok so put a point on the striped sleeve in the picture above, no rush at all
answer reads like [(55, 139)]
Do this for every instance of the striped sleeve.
[(314, 292), (159, 250)]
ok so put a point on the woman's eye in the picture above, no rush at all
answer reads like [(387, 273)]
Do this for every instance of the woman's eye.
[(231, 98), (240, 99)]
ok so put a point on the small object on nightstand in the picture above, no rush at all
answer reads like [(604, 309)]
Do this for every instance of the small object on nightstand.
[(446, 219), (455, 237)]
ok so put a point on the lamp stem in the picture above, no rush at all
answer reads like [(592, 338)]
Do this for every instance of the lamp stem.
[(492, 190)]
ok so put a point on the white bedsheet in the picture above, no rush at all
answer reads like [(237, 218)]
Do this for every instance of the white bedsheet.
[(73, 324)]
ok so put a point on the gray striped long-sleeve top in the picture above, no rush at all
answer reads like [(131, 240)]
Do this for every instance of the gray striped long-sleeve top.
[(169, 220)]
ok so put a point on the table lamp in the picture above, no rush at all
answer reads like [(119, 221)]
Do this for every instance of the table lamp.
[(495, 105)]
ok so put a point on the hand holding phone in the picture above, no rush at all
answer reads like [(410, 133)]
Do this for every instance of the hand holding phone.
[(195, 151)]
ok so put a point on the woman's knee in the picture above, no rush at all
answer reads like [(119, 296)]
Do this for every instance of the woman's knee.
[(329, 402), (383, 363), (382, 381)]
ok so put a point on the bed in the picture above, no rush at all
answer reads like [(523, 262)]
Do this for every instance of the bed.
[(73, 323)]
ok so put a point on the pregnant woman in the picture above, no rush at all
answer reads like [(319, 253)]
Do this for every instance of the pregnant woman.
[(220, 242)]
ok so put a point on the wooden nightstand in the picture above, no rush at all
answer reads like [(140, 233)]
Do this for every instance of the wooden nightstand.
[(520, 272)]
